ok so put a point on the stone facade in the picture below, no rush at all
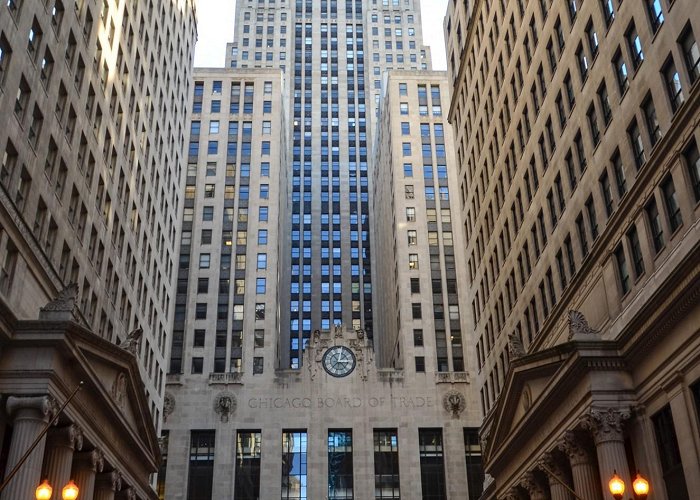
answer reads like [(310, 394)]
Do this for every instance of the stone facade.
[(576, 127)]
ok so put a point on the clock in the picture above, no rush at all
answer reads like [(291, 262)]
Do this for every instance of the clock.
[(339, 361)]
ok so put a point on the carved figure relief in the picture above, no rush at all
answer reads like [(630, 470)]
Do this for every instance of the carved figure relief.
[(225, 405), (119, 389), (63, 306), (515, 346), (132, 342), (168, 405)]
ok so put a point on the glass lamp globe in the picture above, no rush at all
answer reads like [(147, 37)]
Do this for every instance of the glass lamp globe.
[(640, 486), (44, 491), (617, 486), (70, 491)]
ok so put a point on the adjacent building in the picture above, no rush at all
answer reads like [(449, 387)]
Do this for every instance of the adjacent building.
[(93, 97), (93, 100), (392, 417), (576, 127)]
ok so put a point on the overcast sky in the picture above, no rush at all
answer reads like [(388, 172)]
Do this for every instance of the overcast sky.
[(216, 30)]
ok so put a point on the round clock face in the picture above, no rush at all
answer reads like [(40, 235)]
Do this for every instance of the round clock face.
[(339, 361)]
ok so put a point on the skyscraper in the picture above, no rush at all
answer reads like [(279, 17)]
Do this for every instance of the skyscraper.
[(276, 388), (576, 128), (334, 54)]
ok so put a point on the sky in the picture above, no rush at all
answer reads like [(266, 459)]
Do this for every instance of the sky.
[(216, 30)]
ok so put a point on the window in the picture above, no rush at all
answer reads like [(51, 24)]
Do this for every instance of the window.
[(692, 161), (475, 469), (386, 461), (635, 45), (592, 37), (669, 454), (606, 191), (420, 368), (593, 125), (247, 485), (260, 285), (622, 271), (673, 209), (656, 15), (418, 337), (673, 84), (405, 128), (432, 467), (406, 148), (691, 54), (608, 12), (654, 218), (410, 214), (258, 368), (294, 461), (216, 106), (621, 72), (412, 237), (637, 144), (416, 310), (636, 249), (204, 260), (340, 473), (604, 100), (652, 122), (201, 463)]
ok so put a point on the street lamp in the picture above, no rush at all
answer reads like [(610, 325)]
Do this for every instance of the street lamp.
[(69, 492), (617, 486), (640, 487), (43, 491)]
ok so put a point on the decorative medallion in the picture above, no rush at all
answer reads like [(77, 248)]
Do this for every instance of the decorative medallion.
[(527, 398), (225, 404), (454, 402), (339, 361), (168, 405)]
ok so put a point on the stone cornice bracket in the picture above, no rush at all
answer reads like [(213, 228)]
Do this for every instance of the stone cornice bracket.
[(579, 328), (62, 308), (605, 424), (111, 481), (572, 446), (70, 436), (533, 487), (93, 460), (45, 406)]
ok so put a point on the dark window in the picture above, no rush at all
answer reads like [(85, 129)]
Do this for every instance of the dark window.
[(432, 466), (201, 474), (247, 485), (636, 248), (622, 271), (420, 364), (340, 480), (386, 464), (475, 469), (691, 54), (692, 160), (657, 232), (671, 202), (667, 444)]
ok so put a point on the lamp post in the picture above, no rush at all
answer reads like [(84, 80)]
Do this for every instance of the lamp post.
[(640, 487), (69, 492)]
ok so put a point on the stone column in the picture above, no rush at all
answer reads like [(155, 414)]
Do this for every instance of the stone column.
[(60, 445), (30, 415), (107, 485), (605, 424), (85, 467), (533, 487), (583, 471), (556, 475)]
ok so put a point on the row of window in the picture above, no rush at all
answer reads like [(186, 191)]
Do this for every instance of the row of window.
[(340, 479)]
